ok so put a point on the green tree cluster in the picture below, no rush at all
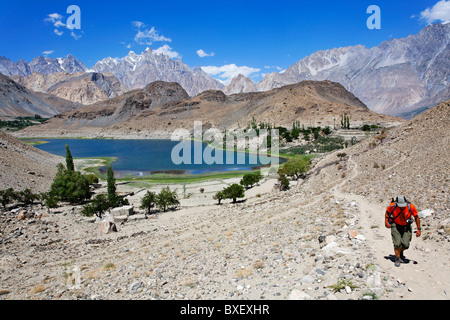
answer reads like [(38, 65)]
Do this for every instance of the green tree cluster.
[(233, 192), (164, 200), (295, 167), (345, 121), (250, 179), (69, 185), (25, 197), (101, 202)]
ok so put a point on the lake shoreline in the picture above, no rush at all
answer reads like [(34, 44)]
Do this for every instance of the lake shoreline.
[(97, 165)]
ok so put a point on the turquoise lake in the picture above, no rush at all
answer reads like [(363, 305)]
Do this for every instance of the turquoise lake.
[(146, 157)]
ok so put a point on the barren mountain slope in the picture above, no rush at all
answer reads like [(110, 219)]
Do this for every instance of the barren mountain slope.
[(16, 100), (93, 117), (416, 161), (411, 160), (23, 166), (83, 88)]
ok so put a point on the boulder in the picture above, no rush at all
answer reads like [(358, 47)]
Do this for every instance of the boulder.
[(122, 211), (425, 213), (107, 227)]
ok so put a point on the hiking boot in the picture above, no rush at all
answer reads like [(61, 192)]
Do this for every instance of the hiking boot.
[(398, 261), (402, 258)]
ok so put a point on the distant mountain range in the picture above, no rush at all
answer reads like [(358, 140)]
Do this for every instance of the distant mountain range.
[(44, 65), (399, 77), (136, 71), (396, 77)]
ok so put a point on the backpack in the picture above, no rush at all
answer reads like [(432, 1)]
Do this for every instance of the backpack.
[(391, 218)]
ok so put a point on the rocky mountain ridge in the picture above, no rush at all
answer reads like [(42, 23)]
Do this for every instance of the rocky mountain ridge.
[(16, 100), (396, 77), (162, 107), (43, 65), (82, 87), (136, 71)]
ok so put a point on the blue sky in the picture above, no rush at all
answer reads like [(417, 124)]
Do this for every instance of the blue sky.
[(255, 37)]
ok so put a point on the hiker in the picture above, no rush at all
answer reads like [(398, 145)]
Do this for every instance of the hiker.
[(399, 217)]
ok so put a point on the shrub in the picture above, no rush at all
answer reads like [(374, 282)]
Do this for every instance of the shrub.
[(7, 196), (233, 192), (26, 197), (219, 196), (71, 186), (92, 178), (250, 179), (148, 201), (167, 199), (284, 182), (98, 206), (295, 167)]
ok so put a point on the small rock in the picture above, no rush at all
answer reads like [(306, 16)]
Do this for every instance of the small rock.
[(307, 279), (135, 286), (299, 295), (348, 289), (320, 272), (4, 291), (332, 297), (352, 234)]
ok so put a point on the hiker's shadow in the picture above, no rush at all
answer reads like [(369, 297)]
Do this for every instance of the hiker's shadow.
[(405, 260)]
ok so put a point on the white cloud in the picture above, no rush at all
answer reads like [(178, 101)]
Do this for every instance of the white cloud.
[(203, 54), (46, 53), (273, 67), (57, 32), (228, 72), (439, 12), (138, 24), (55, 19), (75, 36), (147, 36), (167, 50)]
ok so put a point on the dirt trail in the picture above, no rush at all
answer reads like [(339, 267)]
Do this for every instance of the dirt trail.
[(425, 275)]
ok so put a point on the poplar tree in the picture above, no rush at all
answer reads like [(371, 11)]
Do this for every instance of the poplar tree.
[(112, 197), (69, 160)]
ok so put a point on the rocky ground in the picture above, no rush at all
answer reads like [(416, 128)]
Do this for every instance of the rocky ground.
[(324, 239), (275, 245)]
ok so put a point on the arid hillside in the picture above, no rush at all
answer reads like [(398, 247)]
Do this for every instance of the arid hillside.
[(23, 166), (16, 100), (411, 160)]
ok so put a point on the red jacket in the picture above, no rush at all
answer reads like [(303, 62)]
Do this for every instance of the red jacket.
[(399, 215)]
